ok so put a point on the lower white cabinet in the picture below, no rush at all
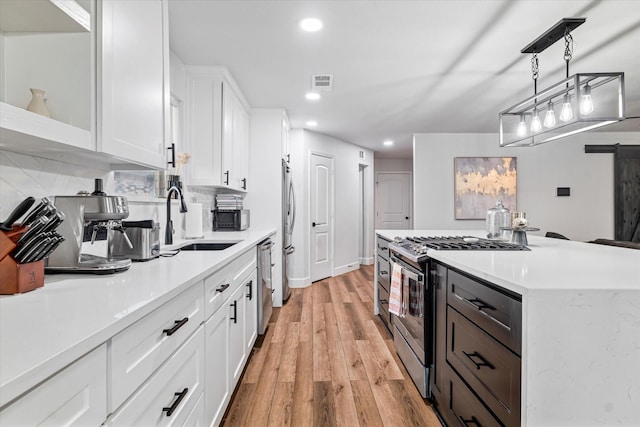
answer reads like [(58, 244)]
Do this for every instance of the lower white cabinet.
[(143, 347), (75, 396), (237, 350), (251, 311), (217, 390), (171, 394)]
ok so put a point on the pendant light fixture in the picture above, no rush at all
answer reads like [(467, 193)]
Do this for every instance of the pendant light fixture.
[(589, 100)]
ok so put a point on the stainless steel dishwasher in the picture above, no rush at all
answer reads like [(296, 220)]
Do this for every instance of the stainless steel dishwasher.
[(265, 306)]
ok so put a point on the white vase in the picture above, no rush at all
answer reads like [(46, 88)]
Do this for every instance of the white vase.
[(37, 104)]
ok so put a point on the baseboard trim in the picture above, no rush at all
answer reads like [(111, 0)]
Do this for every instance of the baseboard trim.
[(352, 266), (367, 261), (300, 282)]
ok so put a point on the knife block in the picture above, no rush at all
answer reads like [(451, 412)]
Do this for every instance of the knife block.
[(19, 278)]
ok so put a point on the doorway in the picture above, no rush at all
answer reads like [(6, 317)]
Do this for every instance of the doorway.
[(321, 216), (393, 201)]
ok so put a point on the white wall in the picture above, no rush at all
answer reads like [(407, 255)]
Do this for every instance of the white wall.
[(346, 204), (587, 214), (394, 165), (264, 198)]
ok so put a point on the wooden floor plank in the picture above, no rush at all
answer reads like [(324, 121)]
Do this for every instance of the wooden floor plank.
[(321, 366), (302, 410), (324, 411), (242, 401), (416, 412), (368, 415), (258, 414), (254, 367), (381, 352), (281, 407), (287, 371)]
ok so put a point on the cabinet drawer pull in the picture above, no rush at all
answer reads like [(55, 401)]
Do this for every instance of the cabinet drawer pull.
[(473, 420), (483, 361), (235, 311), (384, 301), (250, 286), (222, 288), (481, 305), (171, 409), (177, 325), (384, 273)]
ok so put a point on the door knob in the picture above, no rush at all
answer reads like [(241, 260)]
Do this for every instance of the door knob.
[(313, 224), (406, 217)]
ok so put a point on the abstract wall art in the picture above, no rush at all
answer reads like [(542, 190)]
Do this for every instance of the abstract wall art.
[(480, 182)]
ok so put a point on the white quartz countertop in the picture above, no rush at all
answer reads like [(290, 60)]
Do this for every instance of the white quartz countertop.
[(44, 330), (551, 264)]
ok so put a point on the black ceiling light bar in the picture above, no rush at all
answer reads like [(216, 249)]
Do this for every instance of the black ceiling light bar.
[(553, 34)]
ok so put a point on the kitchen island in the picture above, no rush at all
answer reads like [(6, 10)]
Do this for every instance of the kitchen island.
[(44, 331), (580, 324)]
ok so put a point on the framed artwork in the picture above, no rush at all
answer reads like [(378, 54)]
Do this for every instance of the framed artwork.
[(481, 181)]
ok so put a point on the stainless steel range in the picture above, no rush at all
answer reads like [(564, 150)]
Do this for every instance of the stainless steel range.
[(413, 333)]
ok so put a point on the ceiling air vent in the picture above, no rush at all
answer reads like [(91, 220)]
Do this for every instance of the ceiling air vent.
[(322, 82)]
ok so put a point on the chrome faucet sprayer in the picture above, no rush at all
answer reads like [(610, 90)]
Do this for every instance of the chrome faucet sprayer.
[(168, 234)]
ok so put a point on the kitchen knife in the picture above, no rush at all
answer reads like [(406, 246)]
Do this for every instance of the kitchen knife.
[(17, 213), (24, 248), (31, 255), (35, 228), (54, 221), (49, 250), (44, 205)]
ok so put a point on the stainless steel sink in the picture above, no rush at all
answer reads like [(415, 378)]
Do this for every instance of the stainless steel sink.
[(203, 246)]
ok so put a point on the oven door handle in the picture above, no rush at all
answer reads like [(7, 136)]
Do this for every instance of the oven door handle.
[(411, 275)]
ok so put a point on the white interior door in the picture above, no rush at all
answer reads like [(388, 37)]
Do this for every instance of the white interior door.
[(393, 200), (321, 217)]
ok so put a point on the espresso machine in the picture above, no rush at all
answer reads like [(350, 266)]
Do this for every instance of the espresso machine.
[(89, 214)]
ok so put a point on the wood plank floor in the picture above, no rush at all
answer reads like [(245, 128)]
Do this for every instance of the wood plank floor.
[(326, 360)]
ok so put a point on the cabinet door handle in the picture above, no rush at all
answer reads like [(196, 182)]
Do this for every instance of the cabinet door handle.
[(384, 273), (235, 311), (177, 325), (171, 409), (250, 286), (481, 305), (172, 162), (483, 361), (222, 288), (384, 301), (473, 420), (226, 180), (244, 183)]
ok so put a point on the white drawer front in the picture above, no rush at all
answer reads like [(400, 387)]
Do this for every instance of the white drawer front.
[(181, 376), (143, 347), (221, 284), (75, 396), (196, 418)]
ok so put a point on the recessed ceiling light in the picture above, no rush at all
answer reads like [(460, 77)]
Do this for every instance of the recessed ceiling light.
[(388, 143), (311, 24), (312, 123), (312, 96)]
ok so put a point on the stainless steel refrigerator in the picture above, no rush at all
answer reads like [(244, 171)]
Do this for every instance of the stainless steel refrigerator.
[(288, 222)]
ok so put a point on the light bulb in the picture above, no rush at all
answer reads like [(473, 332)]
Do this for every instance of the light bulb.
[(522, 127), (536, 125), (586, 103), (550, 117), (566, 113)]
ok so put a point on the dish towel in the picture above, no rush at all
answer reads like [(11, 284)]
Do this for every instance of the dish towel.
[(396, 303)]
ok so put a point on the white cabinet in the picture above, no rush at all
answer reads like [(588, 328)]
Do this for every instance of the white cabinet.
[(217, 390), (171, 394), (107, 96), (217, 129), (140, 349), (230, 331), (75, 396), (133, 80), (251, 311)]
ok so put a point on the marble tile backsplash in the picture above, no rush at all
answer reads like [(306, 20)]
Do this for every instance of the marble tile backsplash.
[(22, 176)]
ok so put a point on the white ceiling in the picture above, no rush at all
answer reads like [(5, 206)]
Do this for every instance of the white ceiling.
[(404, 67)]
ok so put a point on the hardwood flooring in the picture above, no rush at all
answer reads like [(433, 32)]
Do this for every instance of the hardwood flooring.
[(326, 360)]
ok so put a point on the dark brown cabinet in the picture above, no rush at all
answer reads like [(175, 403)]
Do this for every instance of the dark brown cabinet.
[(477, 351), (383, 280)]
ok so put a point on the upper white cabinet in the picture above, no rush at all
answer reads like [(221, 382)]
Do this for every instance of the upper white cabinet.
[(217, 129), (133, 80), (103, 67)]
